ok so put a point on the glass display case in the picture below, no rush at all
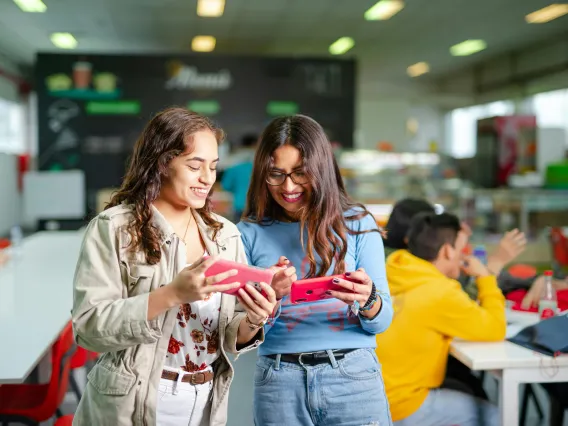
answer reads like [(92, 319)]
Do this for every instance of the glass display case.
[(379, 179), (531, 210)]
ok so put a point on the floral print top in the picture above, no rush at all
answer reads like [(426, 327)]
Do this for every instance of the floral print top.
[(194, 343)]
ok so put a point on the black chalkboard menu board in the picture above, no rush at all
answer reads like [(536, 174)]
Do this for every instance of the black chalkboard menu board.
[(92, 107)]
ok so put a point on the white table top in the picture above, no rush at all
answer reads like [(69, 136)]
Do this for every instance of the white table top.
[(36, 297), (500, 355)]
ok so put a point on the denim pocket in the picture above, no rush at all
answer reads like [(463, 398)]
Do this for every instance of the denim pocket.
[(361, 366), (262, 374)]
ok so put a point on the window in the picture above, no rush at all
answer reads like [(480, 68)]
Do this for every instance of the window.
[(461, 126), (12, 138), (551, 109)]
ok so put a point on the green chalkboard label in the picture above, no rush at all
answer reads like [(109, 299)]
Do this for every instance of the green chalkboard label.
[(113, 107)]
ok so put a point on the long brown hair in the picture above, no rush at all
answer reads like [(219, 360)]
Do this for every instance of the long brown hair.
[(324, 215), (166, 136)]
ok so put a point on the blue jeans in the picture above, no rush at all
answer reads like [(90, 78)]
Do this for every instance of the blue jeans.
[(445, 407), (348, 392)]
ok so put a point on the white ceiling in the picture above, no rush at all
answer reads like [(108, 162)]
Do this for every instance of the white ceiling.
[(423, 31)]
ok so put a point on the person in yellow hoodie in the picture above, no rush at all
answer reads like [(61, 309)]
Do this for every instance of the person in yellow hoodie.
[(431, 309)]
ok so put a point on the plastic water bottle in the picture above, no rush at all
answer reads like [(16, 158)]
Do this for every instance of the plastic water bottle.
[(16, 237), (480, 253), (548, 303)]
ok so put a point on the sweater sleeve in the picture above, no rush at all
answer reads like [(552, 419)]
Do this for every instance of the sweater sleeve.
[(459, 316), (370, 255)]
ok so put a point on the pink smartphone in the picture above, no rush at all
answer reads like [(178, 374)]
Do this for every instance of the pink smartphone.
[(314, 289), (246, 274)]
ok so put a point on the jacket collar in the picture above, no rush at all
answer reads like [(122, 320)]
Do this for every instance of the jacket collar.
[(166, 230)]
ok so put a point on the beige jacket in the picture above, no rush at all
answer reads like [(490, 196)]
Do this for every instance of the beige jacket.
[(111, 290)]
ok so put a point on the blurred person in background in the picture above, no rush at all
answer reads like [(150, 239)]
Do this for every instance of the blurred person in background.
[(536, 290), (458, 376), (141, 298), (510, 246), (399, 222), (430, 309), (236, 178), (317, 365)]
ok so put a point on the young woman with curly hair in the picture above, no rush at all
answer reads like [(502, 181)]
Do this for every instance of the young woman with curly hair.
[(141, 298)]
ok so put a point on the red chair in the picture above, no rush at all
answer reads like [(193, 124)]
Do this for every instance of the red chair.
[(34, 403), (81, 358), (4, 243), (65, 421)]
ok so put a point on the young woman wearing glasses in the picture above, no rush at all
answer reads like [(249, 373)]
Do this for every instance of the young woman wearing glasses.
[(317, 365)]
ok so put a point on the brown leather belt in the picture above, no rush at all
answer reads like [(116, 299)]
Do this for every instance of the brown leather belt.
[(194, 379)]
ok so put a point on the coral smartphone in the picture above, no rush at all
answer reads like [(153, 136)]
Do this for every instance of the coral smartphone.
[(246, 274), (314, 289)]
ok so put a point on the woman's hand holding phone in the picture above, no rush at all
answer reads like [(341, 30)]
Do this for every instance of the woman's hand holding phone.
[(284, 276), (257, 306), (360, 287), (191, 284)]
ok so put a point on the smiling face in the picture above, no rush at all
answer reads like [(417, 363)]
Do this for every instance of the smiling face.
[(295, 192), (192, 174)]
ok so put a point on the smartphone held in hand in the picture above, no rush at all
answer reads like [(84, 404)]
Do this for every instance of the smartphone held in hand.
[(246, 275), (314, 289)]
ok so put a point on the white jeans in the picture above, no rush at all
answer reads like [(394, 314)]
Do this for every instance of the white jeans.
[(183, 404)]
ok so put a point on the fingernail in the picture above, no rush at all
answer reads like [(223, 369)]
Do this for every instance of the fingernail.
[(335, 280), (347, 274)]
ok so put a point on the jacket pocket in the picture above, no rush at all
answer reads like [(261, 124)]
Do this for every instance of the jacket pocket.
[(138, 278), (109, 398), (108, 381)]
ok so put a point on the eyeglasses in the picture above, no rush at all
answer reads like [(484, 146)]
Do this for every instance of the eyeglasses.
[(278, 178)]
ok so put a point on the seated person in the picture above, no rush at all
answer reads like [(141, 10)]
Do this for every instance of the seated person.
[(537, 289), (430, 310), (511, 245)]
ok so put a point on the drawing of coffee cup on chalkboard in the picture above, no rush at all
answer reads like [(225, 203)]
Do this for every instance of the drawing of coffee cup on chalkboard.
[(105, 82), (82, 72)]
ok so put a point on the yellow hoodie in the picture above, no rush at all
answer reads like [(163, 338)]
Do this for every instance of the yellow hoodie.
[(429, 310)]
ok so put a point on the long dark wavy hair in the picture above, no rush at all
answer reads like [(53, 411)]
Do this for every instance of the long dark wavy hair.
[(324, 215), (166, 136), (399, 220)]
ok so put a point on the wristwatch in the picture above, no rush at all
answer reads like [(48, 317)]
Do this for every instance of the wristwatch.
[(255, 326), (370, 301)]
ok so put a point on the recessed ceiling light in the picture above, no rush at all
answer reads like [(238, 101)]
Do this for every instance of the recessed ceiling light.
[(210, 8), (383, 10), (31, 5), (418, 69), (64, 40), (547, 14), (203, 43), (341, 46), (468, 47)]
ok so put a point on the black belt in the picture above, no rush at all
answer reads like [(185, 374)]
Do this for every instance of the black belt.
[(313, 358)]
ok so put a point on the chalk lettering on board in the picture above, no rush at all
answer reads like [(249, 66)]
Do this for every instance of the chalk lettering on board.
[(185, 77)]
